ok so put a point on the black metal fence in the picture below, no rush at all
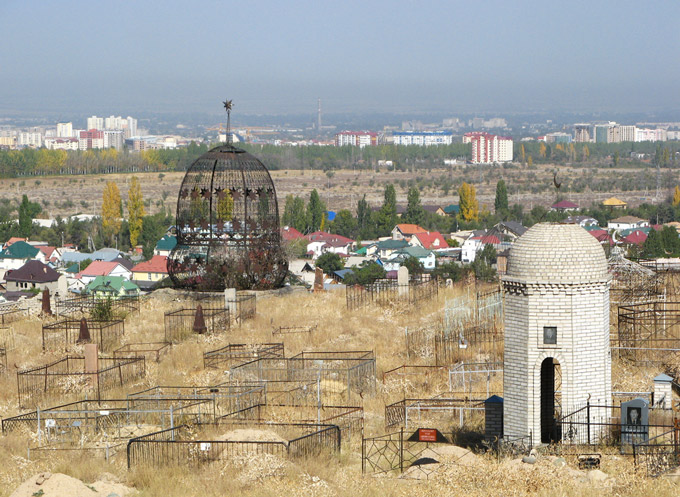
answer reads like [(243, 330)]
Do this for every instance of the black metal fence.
[(11, 312), (86, 304), (238, 353), (594, 424), (3, 360), (181, 446), (243, 307), (648, 334), (68, 375), (659, 454), (62, 333), (438, 412), (179, 324), (384, 292), (290, 330)]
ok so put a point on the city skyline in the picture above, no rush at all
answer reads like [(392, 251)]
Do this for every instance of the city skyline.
[(273, 58)]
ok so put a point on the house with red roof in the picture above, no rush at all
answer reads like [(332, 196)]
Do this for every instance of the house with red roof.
[(103, 268), (288, 234), (564, 206), (406, 231), (636, 237), (430, 240), (602, 236), (147, 274), (321, 242)]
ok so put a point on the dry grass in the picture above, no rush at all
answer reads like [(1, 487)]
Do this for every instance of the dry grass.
[(373, 328)]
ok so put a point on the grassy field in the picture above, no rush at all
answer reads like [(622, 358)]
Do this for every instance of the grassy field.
[(528, 186), (381, 329)]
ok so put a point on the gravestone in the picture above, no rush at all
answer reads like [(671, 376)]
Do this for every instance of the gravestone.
[(663, 391), (199, 321), (46, 308), (230, 301), (84, 332), (91, 353), (318, 280), (493, 422), (449, 283), (634, 422), (402, 281)]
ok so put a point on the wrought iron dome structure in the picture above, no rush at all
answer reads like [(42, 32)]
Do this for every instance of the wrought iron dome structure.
[(227, 224)]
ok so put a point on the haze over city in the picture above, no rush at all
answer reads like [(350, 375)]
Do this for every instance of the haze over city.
[(278, 58)]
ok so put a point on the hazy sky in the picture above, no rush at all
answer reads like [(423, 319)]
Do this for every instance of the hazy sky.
[(271, 57)]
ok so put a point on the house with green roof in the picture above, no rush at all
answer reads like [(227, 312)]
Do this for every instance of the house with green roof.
[(384, 248), (165, 245), (18, 254), (452, 209), (113, 287), (426, 258)]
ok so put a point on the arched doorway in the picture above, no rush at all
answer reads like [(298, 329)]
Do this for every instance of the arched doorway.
[(551, 386)]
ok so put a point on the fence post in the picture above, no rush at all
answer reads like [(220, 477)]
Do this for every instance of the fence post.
[(588, 420), (363, 454), (401, 450)]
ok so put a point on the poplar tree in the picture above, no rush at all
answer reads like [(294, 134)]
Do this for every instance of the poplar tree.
[(111, 210), (135, 210), (469, 207), (501, 201), (316, 212), (415, 214), (676, 196), (387, 216)]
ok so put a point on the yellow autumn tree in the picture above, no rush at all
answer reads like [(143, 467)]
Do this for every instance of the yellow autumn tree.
[(225, 207), (135, 210), (676, 196), (469, 207), (530, 161), (522, 154), (111, 210), (542, 150)]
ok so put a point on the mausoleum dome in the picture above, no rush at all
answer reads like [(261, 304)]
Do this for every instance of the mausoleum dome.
[(557, 253)]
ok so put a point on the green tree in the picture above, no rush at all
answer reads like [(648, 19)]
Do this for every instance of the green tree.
[(225, 206), (366, 274), (329, 262), (413, 265), (294, 213), (501, 200), (27, 211), (135, 210), (316, 212), (111, 210), (344, 224), (415, 214), (365, 226), (387, 216), (469, 208)]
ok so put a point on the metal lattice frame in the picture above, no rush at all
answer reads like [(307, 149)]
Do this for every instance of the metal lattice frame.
[(648, 333), (227, 225), (65, 332)]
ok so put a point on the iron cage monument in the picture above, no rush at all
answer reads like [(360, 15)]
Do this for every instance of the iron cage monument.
[(227, 224), (557, 350)]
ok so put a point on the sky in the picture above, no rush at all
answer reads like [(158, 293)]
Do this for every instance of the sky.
[(279, 57)]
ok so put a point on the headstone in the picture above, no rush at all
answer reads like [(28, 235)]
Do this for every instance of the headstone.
[(449, 283), (663, 391), (230, 300), (46, 308), (84, 333), (493, 414), (402, 281), (634, 422), (318, 280), (199, 321), (92, 362)]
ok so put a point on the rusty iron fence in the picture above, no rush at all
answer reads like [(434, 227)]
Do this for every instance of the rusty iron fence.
[(659, 454), (65, 332), (86, 304), (243, 307), (648, 334), (179, 324), (385, 292), (238, 353), (290, 330), (183, 446), (68, 375), (440, 412), (149, 350)]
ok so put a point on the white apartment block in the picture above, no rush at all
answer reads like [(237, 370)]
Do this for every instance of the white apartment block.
[(95, 122), (488, 149), (114, 138), (30, 139), (359, 139), (650, 135), (64, 130), (423, 138)]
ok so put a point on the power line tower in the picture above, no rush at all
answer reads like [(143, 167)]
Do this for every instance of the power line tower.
[(318, 117)]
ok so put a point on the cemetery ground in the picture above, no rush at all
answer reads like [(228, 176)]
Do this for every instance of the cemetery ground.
[(381, 329), (527, 185)]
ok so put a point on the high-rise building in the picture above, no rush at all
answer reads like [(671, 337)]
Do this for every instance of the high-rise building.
[(113, 122), (582, 133), (90, 139), (627, 133), (95, 122), (487, 148), (32, 139), (131, 129), (356, 138), (64, 130), (113, 138), (651, 135)]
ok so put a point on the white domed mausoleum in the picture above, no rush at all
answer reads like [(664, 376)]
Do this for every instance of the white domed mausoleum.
[(557, 351)]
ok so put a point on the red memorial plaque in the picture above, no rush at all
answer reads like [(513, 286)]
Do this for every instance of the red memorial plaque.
[(427, 435)]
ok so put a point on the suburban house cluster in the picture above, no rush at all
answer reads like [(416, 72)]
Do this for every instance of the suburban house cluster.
[(28, 267)]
